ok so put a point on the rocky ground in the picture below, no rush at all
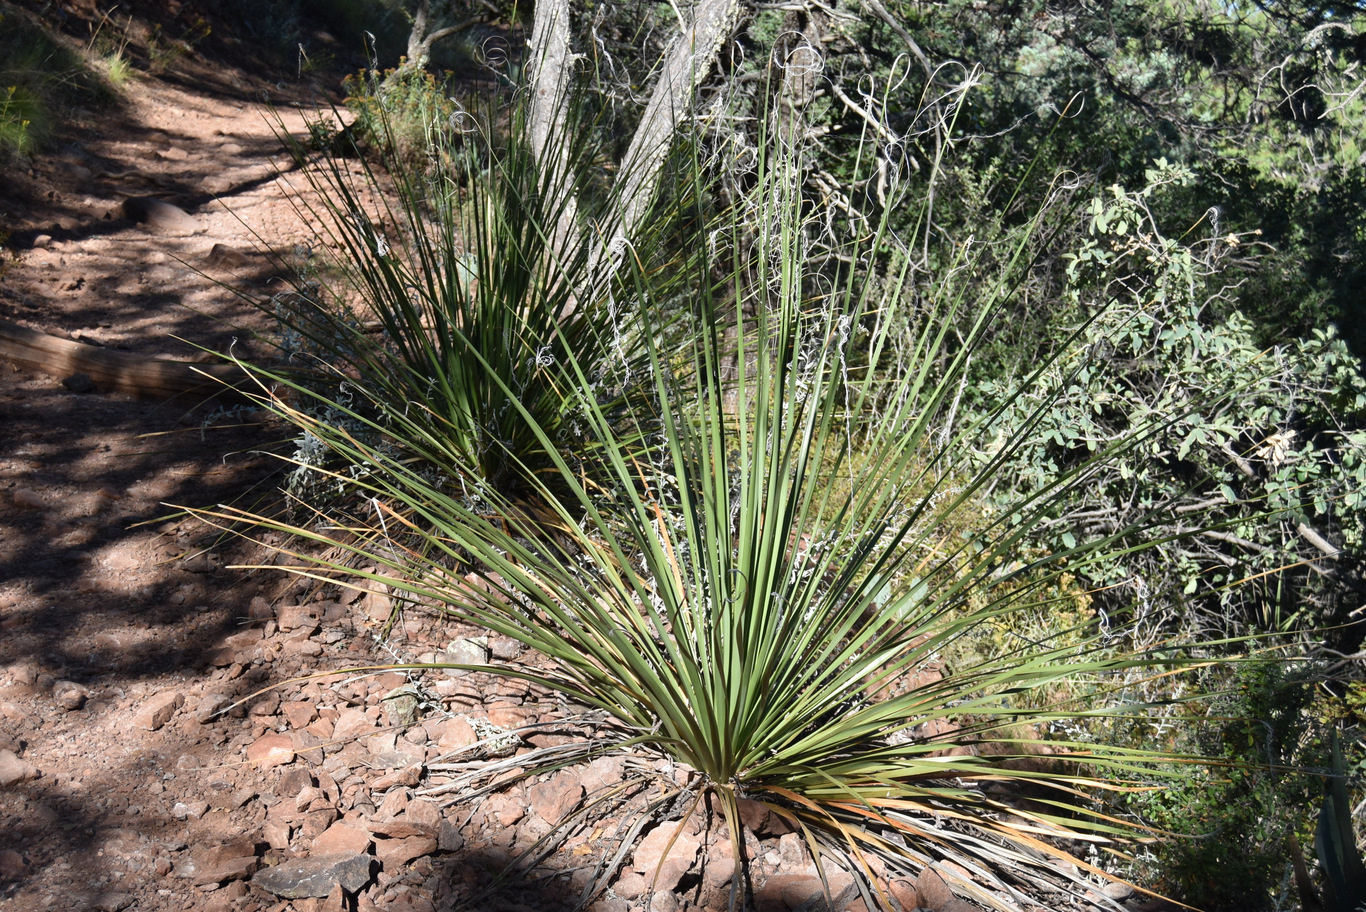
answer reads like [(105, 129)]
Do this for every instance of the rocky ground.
[(158, 749)]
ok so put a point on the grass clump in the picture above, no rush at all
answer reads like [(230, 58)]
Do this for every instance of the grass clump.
[(40, 80), (749, 549)]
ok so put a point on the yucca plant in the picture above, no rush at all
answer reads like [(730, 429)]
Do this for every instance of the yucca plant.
[(757, 589), (441, 308)]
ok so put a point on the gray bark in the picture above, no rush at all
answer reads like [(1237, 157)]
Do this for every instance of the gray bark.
[(690, 57)]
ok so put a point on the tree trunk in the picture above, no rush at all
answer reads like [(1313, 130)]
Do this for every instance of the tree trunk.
[(690, 57)]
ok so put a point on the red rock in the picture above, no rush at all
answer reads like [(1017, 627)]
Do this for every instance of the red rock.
[(508, 715), (271, 749), (507, 810), (260, 610), (69, 695), (454, 734), (12, 865), (631, 885), (556, 798), (299, 713), (408, 777), (157, 711), (788, 891), (296, 617), (424, 813), (931, 890), (903, 891), (342, 838), (276, 833), (958, 905), (759, 820), (651, 856), (398, 828), (395, 853), (352, 723), (265, 704), (14, 770), (231, 860)]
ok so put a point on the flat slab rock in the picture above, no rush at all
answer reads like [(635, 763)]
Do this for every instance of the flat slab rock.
[(305, 877)]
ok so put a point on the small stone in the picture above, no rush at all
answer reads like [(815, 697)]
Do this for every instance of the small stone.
[(790, 891), (468, 651), (271, 749), (400, 704), (508, 715), (350, 724), (221, 256), (631, 885), (554, 799), (651, 857), (159, 215), (79, 383), (394, 853), (307, 746), (316, 876), (111, 902), (957, 905), (409, 777), (265, 705), (191, 810), (27, 499), (931, 890), (220, 656), (259, 610), (293, 781), (210, 707), (424, 814), (317, 822), (903, 891), (276, 834), (448, 838), (342, 838), (229, 861), (664, 901), (12, 865), (69, 695), (1117, 891), (157, 711), (299, 712), (14, 770), (455, 734), (40, 242), (300, 617)]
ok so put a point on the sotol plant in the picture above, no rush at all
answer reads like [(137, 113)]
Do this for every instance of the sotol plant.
[(750, 569)]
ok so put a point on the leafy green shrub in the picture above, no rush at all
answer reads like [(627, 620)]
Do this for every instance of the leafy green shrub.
[(1279, 464), (40, 78), (399, 112), (1232, 821), (17, 110)]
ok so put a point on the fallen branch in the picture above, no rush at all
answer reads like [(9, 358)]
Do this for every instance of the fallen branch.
[(116, 371)]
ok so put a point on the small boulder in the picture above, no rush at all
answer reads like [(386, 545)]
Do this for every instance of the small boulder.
[(157, 711), (14, 770), (160, 216), (316, 876)]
